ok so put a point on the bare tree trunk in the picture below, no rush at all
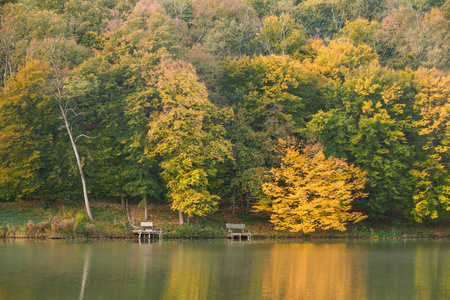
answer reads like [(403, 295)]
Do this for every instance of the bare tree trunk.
[(122, 200), (58, 83), (80, 167), (128, 215), (233, 201), (146, 208), (180, 216), (188, 219)]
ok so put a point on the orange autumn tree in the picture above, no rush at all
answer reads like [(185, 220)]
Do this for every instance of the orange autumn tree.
[(310, 191)]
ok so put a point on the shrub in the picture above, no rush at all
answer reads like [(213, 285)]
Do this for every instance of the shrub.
[(30, 230), (92, 230), (68, 226), (80, 229), (63, 227), (42, 228), (81, 217), (3, 231), (56, 226), (12, 231)]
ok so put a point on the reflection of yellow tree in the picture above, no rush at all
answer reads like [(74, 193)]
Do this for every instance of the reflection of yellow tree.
[(431, 267), (315, 271), (191, 275), (444, 278)]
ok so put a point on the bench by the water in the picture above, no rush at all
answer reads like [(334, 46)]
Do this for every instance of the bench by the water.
[(238, 231), (148, 229)]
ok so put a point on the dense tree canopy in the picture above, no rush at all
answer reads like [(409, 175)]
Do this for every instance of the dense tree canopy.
[(184, 101)]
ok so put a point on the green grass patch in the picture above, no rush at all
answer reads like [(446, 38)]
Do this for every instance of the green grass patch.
[(19, 217)]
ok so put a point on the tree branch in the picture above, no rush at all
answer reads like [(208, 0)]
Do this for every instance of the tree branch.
[(86, 136)]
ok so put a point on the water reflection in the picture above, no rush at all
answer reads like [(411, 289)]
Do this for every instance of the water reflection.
[(220, 270), (87, 262), (192, 274), (431, 274), (315, 271), (409, 270)]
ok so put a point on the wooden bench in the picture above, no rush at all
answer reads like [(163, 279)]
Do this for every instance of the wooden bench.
[(148, 229), (238, 231)]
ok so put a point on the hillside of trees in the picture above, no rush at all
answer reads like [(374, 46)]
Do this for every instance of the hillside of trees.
[(319, 111)]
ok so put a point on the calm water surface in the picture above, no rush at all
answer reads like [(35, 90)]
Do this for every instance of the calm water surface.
[(223, 270)]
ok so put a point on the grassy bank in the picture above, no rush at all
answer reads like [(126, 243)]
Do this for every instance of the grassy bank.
[(68, 220)]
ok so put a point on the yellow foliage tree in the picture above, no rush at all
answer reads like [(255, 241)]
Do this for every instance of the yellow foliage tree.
[(310, 191), (432, 196)]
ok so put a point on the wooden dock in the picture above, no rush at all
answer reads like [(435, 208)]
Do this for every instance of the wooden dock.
[(238, 232), (148, 230)]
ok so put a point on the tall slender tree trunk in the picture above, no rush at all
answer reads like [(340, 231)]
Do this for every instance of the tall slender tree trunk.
[(80, 167), (146, 208), (128, 214), (233, 201), (122, 200), (180, 216), (63, 109)]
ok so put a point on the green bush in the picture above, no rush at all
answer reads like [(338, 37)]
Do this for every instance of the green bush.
[(80, 230), (81, 217)]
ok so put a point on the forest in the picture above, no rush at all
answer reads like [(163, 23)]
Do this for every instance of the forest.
[(314, 113)]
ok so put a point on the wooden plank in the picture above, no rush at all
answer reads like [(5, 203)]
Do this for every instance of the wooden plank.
[(240, 236), (148, 230), (235, 226), (238, 231), (146, 224)]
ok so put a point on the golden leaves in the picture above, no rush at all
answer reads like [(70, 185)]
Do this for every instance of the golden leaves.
[(310, 191)]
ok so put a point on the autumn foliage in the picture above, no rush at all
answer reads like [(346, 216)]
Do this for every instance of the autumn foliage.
[(309, 191), (184, 103)]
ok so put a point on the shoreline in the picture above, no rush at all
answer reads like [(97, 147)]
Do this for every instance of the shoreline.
[(67, 221)]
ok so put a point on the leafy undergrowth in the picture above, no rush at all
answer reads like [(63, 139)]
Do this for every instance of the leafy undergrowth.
[(69, 220)]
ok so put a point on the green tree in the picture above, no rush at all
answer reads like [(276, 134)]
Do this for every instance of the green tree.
[(254, 153), (85, 16), (120, 110), (361, 32), (141, 172), (25, 132), (272, 97), (66, 91), (281, 35), (310, 191), (372, 126), (321, 18), (19, 26), (279, 87)]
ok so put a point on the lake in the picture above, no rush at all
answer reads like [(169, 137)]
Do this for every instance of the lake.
[(218, 269)]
